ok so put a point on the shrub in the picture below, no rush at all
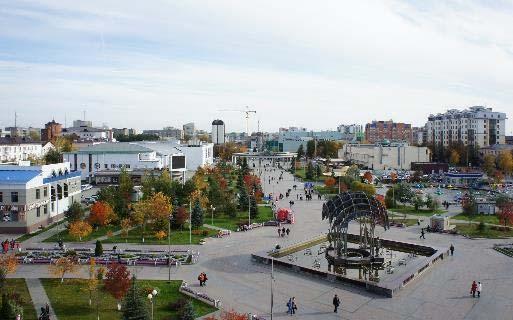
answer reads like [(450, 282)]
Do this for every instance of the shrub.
[(178, 304), (204, 233), (481, 226)]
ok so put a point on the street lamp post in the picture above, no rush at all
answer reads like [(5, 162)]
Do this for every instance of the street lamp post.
[(249, 209), (213, 209), (190, 221), (169, 249), (151, 297)]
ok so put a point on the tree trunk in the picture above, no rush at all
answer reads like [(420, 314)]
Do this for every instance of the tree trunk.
[(119, 306)]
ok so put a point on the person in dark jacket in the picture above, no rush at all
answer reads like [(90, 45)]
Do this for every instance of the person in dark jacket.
[(336, 303)]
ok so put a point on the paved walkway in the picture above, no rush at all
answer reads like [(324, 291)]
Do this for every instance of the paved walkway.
[(39, 297)]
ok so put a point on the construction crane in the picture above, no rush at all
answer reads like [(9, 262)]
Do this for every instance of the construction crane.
[(247, 112)]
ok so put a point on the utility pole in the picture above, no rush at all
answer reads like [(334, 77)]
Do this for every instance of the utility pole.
[(190, 221), (169, 249)]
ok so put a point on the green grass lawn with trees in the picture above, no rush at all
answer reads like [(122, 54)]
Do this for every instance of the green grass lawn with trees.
[(301, 173), (475, 230), (420, 212), (70, 300), (30, 235), (486, 218), (19, 286), (178, 237), (226, 222), (97, 233)]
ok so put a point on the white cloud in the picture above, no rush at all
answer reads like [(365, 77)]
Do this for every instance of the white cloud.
[(314, 64)]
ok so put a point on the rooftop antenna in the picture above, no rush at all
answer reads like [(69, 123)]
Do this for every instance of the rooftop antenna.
[(15, 119), (84, 114)]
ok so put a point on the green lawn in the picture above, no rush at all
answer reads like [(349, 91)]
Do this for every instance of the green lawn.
[(100, 232), (420, 212), (20, 287), (226, 222), (486, 218), (300, 173), (30, 235), (326, 190), (473, 231), (177, 236), (70, 300)]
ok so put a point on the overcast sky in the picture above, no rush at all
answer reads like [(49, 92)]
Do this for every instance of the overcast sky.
[(316, 64)]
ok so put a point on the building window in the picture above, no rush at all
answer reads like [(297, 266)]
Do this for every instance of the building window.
[(45, 192), (38, 211), (53, 206), (38, 194), (113, 166), (45, 209), (1, 197), (14, 197)]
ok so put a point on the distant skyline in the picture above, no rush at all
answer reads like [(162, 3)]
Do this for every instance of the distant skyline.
[(307, 64)]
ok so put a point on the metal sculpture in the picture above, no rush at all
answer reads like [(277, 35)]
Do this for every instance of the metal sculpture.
[(368, 212)]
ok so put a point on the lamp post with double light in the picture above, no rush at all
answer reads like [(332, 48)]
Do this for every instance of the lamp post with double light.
[(151, 297)]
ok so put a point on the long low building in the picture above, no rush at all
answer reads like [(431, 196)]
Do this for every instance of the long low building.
[(395, 156), (35, 196), (107, 158)]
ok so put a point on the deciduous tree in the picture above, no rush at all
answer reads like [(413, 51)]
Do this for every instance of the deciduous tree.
[(489, 165), (79, 229), (367, 176), (505, 162), (506, 213), (117, 281), (74, 212), (454, 158), (62, 266), (330, 182), (102, 214)]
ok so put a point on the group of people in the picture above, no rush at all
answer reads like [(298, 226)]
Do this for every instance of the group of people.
[(10, 244), (291, 306), (202, 278), (45, 313), (282, 232), (476, 287)]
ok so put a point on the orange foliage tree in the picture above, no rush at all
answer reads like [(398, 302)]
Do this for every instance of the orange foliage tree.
[(8, 263), (101, 214), (79, 229), (62, 266), (330, 182), (506, 214), (367, 176)]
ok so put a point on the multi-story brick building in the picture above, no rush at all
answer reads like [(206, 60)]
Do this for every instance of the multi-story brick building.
[(377, 131), (476, 126)]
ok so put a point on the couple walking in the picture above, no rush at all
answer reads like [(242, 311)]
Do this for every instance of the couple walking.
[(292, 306), (476, 287)]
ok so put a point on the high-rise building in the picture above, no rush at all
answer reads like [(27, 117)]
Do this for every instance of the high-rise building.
[(377, 131), (218, 132), (189, 129), (51, 131), (477, 126)]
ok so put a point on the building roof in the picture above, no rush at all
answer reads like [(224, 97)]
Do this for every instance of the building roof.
[(17, 140), (117, 147), (498, 147), (17, 176), (217, 122)]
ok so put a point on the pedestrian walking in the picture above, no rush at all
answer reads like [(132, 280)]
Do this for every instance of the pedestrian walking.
[(479, 289), (294, 305), (279, 232), (283, 232), (473, 289), (452, 249), (287, 231), (422, 234), (289, 306), (336, 303)]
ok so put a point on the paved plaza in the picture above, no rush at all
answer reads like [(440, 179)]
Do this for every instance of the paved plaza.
[(441, 293)]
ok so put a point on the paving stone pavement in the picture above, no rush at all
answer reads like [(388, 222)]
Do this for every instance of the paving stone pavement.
[(441, 293), (39, 297)]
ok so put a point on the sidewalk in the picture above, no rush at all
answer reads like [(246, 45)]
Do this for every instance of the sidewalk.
[(39, 297)]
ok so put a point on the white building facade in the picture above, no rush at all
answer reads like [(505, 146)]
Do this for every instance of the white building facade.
[(476, 126), (395, 156), (35, 196), (20, 149)]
